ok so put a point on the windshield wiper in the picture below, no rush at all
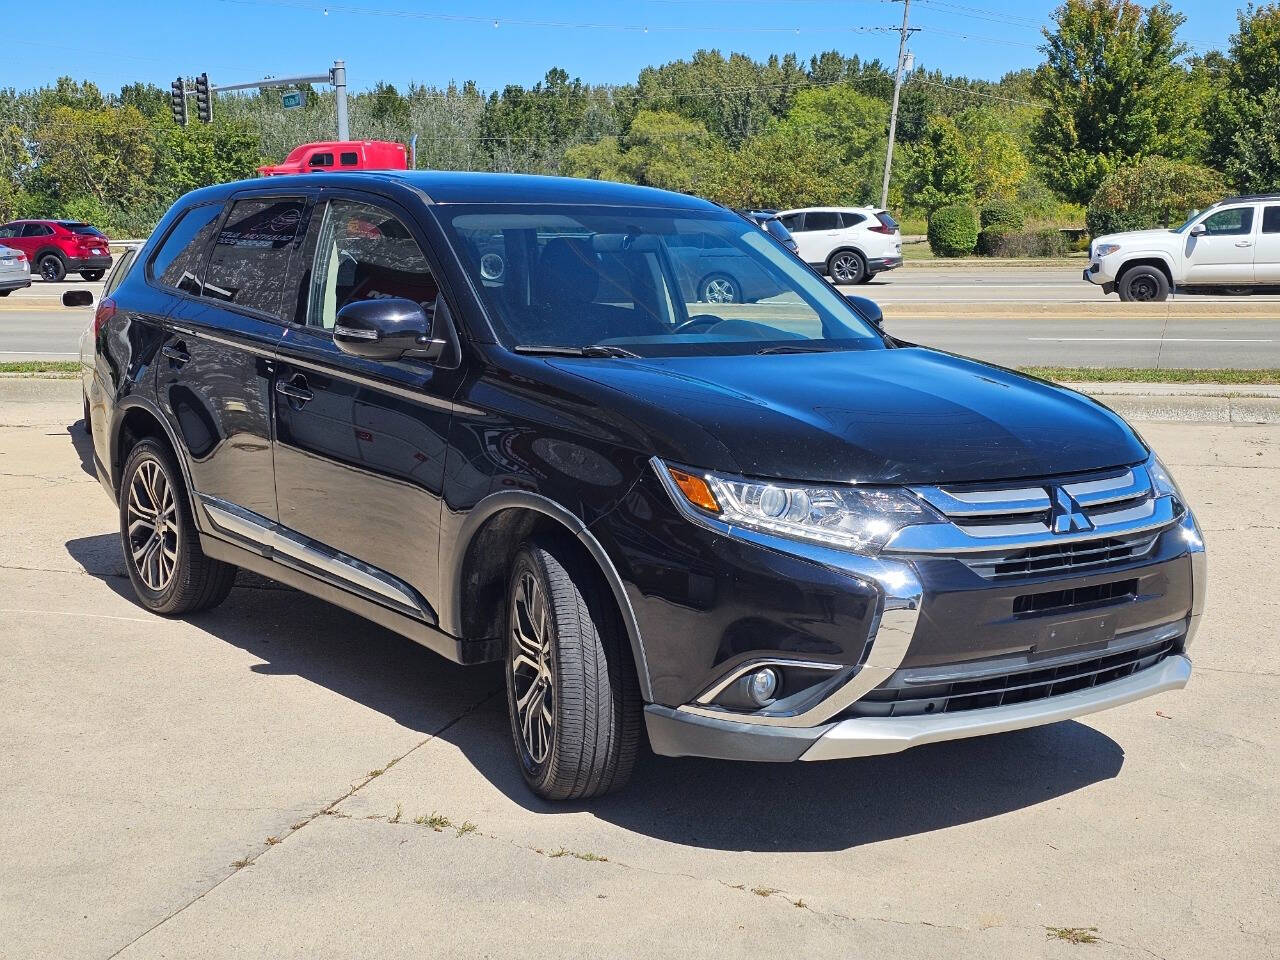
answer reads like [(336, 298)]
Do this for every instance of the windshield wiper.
[(796, 348), (591, 350)]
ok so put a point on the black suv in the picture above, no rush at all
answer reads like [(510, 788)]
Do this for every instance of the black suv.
[(486, 412)]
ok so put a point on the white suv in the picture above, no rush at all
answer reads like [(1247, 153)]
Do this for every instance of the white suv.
[(848, 244), (1235, 243)]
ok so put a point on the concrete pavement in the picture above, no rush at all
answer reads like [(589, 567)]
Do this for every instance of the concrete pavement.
[(245, 783)]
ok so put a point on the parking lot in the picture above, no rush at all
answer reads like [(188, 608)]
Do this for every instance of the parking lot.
[(1016, 315), (278, 778)]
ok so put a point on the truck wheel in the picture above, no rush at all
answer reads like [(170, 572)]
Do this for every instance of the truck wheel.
[(170, 573), (52, 268), (847, 267), (1143, 284), (572, 693)]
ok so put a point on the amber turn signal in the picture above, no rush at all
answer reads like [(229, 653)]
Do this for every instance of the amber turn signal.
[(695, 490)]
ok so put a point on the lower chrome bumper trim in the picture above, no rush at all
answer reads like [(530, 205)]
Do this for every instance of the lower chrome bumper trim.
[(869, 736)]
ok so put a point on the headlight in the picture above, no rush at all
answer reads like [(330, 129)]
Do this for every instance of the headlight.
[(861, 519), (1105, 249), (1162, 483)]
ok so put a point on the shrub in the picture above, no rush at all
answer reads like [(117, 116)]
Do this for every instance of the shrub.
[(1045, 242), (1002, 215), (953, 230), (1154, 192)]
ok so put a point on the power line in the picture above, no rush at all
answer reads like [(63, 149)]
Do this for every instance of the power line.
[(975, 93)]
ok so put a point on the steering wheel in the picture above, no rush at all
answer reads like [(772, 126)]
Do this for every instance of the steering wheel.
[(693, 324)]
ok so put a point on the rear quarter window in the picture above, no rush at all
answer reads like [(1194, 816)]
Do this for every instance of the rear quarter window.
[(178, 261)]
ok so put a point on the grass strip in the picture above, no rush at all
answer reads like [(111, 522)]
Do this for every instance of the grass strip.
[(1147, 375), (40, 366)]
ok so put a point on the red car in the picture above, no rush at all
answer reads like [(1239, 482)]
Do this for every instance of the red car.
[(58, 247)]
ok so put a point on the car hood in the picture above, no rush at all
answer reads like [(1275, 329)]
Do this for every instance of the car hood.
[(906, 415), (1146, 238)]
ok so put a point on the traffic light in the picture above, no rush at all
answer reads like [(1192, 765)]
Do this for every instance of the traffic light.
[(204, 99), (178, 101)]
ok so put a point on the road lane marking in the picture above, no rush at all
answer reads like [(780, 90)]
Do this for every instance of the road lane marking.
[(1146, 340), (28, 353)]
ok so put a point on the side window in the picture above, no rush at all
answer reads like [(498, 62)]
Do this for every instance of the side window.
[(321, 160), (349, 159), (123, 263), (250, 262), (178, 261), (364, 253), (37, 230), (851, 219), (1235, 222), (1271, 220), (822, 220)]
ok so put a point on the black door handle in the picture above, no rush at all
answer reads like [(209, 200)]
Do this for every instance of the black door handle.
[(176, 353), (295, 388)]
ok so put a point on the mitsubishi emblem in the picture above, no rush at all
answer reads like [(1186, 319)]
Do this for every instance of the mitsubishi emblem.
[(1068, 515)]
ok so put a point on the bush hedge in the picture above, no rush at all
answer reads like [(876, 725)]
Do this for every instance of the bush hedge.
[(953, 230), (1003, 215), (1046, 242), (1154, 192)]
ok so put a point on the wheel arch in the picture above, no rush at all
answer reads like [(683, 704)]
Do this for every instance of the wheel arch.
[(846, 248), (45, 251), (1148, 260), (476, 580), (138, 419)]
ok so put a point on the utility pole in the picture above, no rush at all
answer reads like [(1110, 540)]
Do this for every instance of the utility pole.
[(338, 77), (897, 92)]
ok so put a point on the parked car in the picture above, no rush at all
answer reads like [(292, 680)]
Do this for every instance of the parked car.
[(331, 155), (15, 270), (764, 531), (848, 244), (55, 248), (771, 223), (1235, 244)]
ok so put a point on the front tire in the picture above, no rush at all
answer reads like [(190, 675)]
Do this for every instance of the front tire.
[(572, 694), (847, 267), (170, 573), (91, 276), (52, 268), (1143, 284)]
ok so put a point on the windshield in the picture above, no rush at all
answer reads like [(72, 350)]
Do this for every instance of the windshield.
[(647, 282)]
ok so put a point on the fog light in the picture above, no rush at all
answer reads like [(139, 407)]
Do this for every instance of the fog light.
[(762, 685)]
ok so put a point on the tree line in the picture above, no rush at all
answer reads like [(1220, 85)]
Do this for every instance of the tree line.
[(1119, 125)]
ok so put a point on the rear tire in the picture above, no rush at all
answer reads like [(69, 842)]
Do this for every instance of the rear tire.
[(1143, 284), (846, 267), (88, 424), (572, 694), (52, 268), (91, 276), (170, 573), (719, 288)]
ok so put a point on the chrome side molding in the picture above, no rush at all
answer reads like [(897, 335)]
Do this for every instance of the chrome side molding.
[(291, 548)]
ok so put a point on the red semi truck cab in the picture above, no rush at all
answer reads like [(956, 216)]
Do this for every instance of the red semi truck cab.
[(331, 155)]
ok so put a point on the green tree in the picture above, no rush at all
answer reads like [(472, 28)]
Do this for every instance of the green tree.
[(14, 160), (1153, 192), (782, 167), (852, 124), (1114, 92), (940, 168), (999, 165), (202, 154), (1242, 111), (602, 160)]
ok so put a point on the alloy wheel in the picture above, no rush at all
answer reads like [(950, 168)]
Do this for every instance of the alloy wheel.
[(531, 670), (1142, 289), (844, 268), (719, 290), (153, 525), (50, 269)]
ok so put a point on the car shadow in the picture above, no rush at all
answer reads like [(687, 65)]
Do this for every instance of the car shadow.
[(694, 802), (83, 445)]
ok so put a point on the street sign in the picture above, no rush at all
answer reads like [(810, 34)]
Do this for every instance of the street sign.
[(292, 100)]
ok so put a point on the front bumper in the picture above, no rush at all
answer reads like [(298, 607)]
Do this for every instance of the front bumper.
[(1096, 274), (849, 716)]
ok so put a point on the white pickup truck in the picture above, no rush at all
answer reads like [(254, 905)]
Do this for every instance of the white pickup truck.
[(1234, 244)]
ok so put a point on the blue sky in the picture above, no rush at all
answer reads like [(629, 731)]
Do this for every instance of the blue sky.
[(403, 40)]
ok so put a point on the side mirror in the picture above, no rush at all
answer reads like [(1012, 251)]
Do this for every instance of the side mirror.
[(868, 309), (386, 329), (77, 298), (1199, 230)]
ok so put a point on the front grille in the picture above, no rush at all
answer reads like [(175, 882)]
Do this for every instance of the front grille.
[(1008, 688), (1098, 595), (1056, 558)]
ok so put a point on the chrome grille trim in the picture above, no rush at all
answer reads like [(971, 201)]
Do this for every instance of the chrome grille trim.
[(1056, 558), (979, 503)]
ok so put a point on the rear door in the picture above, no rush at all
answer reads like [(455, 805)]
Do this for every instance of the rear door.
[(1266, 251), (1224, 252), (360, 444), (215, 372)]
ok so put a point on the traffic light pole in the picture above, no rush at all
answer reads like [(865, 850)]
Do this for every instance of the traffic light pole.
[(337, 77)]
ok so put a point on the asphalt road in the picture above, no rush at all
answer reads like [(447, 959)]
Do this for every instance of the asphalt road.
[(272, 778), (1017, 316)]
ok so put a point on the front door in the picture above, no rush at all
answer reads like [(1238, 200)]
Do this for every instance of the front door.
[(1266, 251), (214, 372), (360, 444), (818, 236), (1224, 252)]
